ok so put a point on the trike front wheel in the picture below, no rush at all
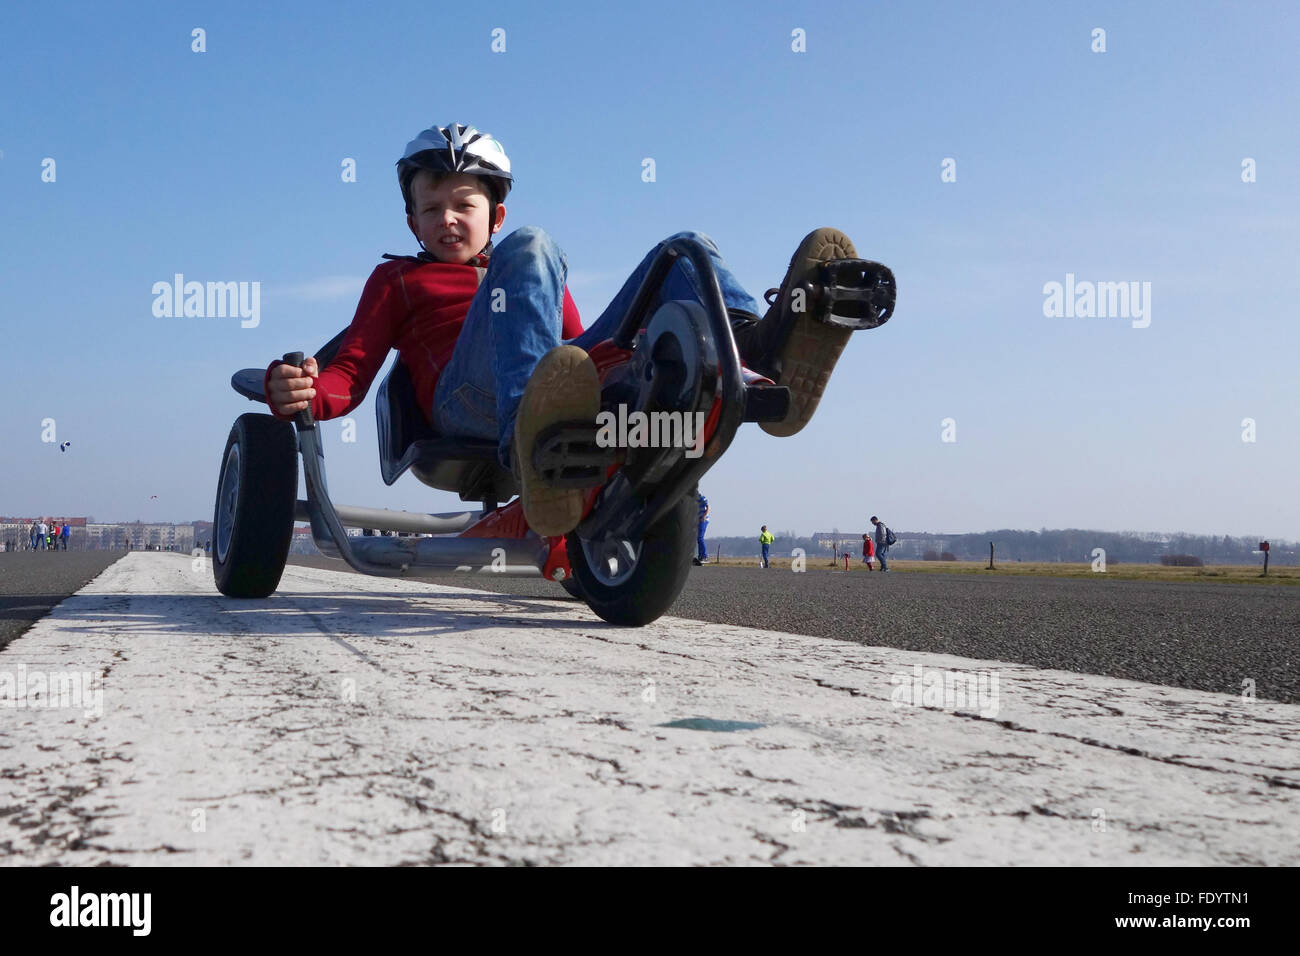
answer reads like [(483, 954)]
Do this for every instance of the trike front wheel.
[(256, 496), (632, 583)]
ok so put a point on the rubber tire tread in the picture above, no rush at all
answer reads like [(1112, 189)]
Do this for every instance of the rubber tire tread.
[(264, 513), (659, 576)]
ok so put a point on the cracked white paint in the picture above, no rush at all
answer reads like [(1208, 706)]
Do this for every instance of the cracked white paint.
[(352, 720)]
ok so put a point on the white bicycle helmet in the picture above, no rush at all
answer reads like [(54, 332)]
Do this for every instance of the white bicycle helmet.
[(456, 149)]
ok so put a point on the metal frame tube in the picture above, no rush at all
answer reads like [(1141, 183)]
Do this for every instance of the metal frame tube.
[(633, 519), (415, 557), (403, 557), (383, 519)]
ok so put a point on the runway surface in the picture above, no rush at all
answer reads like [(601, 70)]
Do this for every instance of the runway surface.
[(355, 720), (1211, 637)]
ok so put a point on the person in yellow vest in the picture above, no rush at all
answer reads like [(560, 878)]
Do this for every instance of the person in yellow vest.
[(766, 538)]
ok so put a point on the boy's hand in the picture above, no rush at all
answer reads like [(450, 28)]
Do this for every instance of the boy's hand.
[(289, 388)]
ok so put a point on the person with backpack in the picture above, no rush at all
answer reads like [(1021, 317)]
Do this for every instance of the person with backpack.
[(884, 539)]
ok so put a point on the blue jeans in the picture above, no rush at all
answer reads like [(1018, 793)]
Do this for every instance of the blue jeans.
[(881, 551), (478, 393), (702, 552), (765, 547)]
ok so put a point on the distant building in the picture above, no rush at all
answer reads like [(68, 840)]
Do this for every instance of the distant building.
[(202, 533), (16, 532), (105, 537), (87, 535), (141, 536), (838, 540)]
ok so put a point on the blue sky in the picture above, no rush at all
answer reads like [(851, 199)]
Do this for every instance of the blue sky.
[(1117, 166)]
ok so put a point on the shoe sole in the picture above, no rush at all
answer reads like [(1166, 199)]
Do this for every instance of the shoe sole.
[(810, 352), (564, 387)]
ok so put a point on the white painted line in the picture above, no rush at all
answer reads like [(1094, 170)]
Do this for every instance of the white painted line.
[(352, 720)]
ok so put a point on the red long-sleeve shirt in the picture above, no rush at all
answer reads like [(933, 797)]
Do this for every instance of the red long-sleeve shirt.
[(417, 307)]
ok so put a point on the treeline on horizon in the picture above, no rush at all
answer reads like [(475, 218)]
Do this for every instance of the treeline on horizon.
[(1070, 545)]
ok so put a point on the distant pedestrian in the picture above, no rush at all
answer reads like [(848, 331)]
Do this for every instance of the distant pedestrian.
[(765, 538), (883, 534), (868, 551), (64, 534), (702, 553), (31, 534)]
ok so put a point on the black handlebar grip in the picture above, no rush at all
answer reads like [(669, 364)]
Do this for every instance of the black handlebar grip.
[(304, 418)]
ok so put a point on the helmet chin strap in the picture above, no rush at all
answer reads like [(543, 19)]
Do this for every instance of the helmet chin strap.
[(492, 221), (487, 248)]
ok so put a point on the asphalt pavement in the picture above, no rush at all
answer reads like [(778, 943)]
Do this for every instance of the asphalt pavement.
[(1211, 636), (32, 582)]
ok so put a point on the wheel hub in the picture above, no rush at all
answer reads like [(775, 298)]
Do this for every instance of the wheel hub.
[(228, 496), (611, 560)]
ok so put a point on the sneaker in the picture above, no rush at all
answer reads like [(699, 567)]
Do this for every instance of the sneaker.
[(564, 387), (696, 561), (801, 352)]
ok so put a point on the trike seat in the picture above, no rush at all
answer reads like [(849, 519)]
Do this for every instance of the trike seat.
[(467, 466)]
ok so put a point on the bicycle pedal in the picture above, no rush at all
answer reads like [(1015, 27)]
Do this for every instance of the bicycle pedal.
[(766, 403), (854, 293), (567, 456)]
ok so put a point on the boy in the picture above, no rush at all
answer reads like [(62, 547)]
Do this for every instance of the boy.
[(481, 330)]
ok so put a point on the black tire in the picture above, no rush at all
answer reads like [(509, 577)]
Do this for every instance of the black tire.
[(570, 584), (655, 579), (257, 490)]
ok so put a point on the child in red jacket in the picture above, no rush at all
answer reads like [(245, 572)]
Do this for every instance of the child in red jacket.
[(487, 335), (868, 551)]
